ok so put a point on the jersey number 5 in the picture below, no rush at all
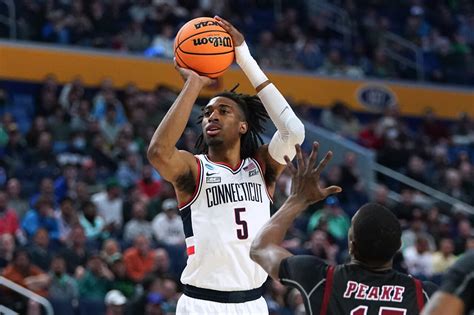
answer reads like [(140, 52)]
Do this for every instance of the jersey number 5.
[(362, 310), (243, 232)]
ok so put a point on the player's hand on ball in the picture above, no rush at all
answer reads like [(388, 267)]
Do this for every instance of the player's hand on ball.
[(305, 176), (237, 37), (188, 74)]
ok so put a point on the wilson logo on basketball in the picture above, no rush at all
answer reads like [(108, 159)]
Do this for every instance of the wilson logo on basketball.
[(216, 41), (204, 24)]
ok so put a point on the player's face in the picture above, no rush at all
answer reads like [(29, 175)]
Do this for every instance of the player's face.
[(222, 122)]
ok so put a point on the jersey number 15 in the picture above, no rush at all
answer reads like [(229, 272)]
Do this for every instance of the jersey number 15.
[(362, 310)]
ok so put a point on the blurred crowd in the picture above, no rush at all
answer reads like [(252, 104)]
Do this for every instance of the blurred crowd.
[(86, 222), (285, 34)]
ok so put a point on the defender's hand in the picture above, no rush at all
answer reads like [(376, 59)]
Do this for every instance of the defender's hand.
[(305, 177), (237, 37)]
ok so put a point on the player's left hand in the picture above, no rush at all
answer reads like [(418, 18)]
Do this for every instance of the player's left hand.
[(237, 37), (305, 177)]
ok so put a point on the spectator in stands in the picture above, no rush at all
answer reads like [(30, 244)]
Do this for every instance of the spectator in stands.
[(115, 303), (81, 117), (67, 218), (42, 216), (382, 66), (138, 225), (148, 185), (15, 151), (154, 304), (76, 253), (333, 118), (107, 96), (135, 39), (370, 136), (381, 196), (417, 227), (129, 170), (433, 127), (161, 264), (150, 285), (108, 125), (39, 250), (96, 281), (453, 185), (139, 258), (295, 302), (24, 273), (15, 200), (71, 95), (320, 246), (444, 257), (63, 287), (94, 226), (109, 205), (404, 209), (42, 156), (110, 250), (309, 55), (65, 183), (170, 295), (46, 191), (275, 297), (8, 217), (419, 259), (417, 169), (465, 231), (167, 225), (337, 221), (7, 248), (162, 44), (122, 281)]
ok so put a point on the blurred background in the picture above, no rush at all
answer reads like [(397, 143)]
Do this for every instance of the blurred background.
[(86, 222)]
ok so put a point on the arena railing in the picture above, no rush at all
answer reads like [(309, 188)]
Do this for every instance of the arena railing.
[(369, 168), (26, 293), (390, 40), (429, 191), (9, 18), (340, 22)]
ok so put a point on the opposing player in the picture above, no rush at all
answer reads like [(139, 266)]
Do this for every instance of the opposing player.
[(456, 295), (225, 192), (367, 285)]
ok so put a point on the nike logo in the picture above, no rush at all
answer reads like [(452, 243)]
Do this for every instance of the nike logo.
[(210, 174)]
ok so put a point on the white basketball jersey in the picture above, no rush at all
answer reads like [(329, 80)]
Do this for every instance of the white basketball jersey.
[(220, 222)]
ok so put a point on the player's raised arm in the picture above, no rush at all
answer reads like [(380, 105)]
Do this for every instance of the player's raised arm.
[(305, 190), (162, 152), (290, 130)]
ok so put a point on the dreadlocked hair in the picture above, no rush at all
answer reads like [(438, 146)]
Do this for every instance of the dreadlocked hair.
[(255, 116)]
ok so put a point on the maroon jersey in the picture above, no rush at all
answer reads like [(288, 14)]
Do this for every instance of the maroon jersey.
[(353, 290)]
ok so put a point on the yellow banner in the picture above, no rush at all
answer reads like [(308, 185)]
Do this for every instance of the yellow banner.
[(34, 62)]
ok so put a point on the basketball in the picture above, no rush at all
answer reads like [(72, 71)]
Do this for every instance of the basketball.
[(204, 46)]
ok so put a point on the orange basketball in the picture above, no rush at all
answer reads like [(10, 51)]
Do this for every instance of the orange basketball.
[(204, 46)]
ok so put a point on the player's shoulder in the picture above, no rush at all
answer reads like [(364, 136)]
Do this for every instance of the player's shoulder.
[(301, 264), (429, 287), (465, 262)]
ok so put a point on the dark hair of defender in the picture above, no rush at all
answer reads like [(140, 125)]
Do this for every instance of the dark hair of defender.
[(377, 234)]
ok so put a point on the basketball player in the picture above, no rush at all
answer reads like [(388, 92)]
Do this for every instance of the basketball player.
[(456, 295), (225, 192), (367, 285)]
